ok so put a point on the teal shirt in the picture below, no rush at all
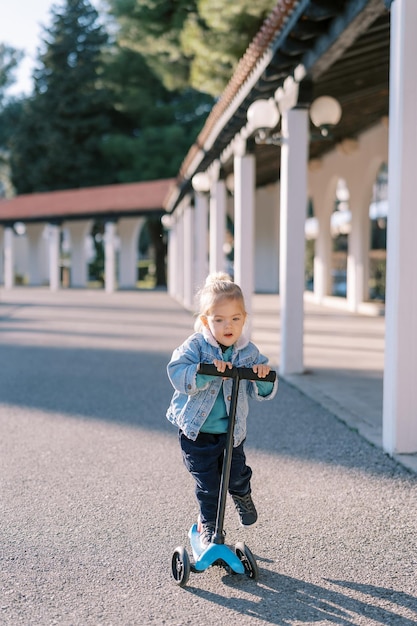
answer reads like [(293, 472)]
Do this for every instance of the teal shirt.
[(218, 420)]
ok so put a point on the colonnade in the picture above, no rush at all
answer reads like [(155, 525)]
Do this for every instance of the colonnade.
[(358, 163), (269, 229), (40, 261)]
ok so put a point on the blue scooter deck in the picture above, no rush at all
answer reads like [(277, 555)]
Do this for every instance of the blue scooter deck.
[(205, 557)]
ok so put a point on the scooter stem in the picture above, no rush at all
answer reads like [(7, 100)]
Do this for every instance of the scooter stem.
[(218, 536), (237, 373)]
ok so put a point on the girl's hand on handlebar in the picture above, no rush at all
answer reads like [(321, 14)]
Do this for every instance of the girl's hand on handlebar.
[(261, 370), (221, 365)]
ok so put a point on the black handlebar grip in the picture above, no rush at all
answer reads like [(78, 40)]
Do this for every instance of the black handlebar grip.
[(247, 373)]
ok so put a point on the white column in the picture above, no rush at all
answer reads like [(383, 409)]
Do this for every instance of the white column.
[(294, 154), (79, 231), (217, 225), (180, 255), (400, 389), (358, 251), (34, 234), (323, 200), (54, 257), (1, 255), (110, 257), (266, 237), (244, 177), (188, 256), (322, 258), (8, 257), (172, 256), (128, 229), (201, 239)]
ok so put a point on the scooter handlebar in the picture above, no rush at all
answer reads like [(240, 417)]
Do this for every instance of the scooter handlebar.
[(247, 373)]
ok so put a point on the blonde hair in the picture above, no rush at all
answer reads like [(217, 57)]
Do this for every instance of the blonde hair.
[(217, 286)]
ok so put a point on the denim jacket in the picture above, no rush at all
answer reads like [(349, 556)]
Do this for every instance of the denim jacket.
[(190, 405)]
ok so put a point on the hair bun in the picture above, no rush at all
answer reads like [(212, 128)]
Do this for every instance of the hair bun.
[(216, 277)]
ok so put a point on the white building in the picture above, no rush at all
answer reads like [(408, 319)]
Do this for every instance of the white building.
[(33, 228), (360, 52)]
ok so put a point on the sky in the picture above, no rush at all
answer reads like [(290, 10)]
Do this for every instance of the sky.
[(21, 24)]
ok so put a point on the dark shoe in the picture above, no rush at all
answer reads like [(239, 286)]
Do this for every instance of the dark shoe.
[(246, 509), (206, 531), (206, 534)]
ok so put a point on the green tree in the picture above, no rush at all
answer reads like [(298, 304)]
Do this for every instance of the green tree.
[(58, 142), (158, 124), (191, 43), (218, 39), (154, 29), (9, 60), (9, 118)]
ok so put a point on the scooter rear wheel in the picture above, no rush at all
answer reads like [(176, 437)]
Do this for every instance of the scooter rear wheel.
[(248, 560), (180, 566)]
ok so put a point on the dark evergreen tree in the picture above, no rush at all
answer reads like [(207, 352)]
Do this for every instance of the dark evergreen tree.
[(9, 112), (58, 142), (154, 30), (9, 60), (191, 43), (159, 124)]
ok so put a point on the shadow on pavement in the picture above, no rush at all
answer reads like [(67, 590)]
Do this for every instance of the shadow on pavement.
[(284, 600), (125, 387), (131, 387)]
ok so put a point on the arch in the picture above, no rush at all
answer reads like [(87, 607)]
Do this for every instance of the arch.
[(361, 175), (68, 207), (357, 162)]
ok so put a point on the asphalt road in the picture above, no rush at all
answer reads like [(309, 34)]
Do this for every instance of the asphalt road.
[(94, 496)]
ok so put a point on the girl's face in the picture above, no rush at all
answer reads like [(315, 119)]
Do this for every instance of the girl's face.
[(226, 321)]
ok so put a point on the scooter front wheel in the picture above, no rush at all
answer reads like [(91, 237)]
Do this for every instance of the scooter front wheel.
[(248, 561), (180, 566)]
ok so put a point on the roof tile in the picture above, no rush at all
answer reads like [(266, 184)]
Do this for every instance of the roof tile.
[(134, 198)]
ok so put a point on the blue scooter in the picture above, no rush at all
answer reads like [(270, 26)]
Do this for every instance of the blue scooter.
[(240, 560)]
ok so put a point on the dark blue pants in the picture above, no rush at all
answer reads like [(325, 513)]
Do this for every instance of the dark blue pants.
[(203, 458)]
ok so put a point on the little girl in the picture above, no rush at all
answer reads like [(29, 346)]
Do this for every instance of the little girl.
[(200, 404)]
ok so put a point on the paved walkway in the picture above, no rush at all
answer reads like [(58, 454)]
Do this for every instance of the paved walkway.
[(94, 497), (343, 358)]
